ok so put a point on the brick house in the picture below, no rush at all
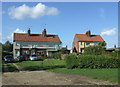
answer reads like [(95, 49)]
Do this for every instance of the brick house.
[(27, 44), (84, 40)]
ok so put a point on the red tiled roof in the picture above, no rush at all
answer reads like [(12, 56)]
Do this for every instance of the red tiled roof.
[(84, 37), (36, 37)]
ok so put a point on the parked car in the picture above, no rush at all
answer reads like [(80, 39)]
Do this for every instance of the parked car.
[(9, 58), (33, 57), (21, 58)]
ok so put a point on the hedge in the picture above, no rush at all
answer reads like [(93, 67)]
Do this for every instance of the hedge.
[(56, 55), (91, 61)]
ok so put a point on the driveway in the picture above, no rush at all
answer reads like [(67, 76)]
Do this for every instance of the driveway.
[(48, 78)]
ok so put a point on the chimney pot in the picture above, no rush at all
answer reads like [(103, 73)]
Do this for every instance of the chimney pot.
[(29, 31), (88, 33)]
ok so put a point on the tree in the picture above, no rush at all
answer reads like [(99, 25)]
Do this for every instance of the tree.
[(94, 50), (102, 44), (8, 46)]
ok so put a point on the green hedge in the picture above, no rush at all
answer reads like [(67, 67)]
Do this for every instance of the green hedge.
[(71, 61), (56, 55), (91, 61)]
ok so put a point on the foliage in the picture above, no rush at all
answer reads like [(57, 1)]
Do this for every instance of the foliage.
[(56, 55), (64, 51), (71, 61), (94, 50), (91, 61), (114, 54), (102, 44), (8, 46)]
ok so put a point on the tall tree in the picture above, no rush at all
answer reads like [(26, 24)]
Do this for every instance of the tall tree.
[(103, 44), (8, 46)]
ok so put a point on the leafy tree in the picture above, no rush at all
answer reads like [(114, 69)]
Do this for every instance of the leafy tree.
[(102, 44), (94, 50), (8, 46)]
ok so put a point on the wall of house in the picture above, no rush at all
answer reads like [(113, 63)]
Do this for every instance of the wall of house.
[(83, 44), (75, 44), (49, 46)]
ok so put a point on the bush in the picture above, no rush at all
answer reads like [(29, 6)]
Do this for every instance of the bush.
[(71, 61), (91, 61), (56, 55), (94, 50)]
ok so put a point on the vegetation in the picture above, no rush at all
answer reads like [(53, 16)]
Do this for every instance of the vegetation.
[(7, 48), (91, 61), (102, 74), (56, 55), (46, 64), (10, 67), (94, 50)]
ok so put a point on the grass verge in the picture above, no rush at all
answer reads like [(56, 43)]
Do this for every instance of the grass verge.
[(101, 74)]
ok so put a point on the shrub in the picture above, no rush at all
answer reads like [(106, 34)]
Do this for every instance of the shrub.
[(91, 61), (71, 61), (94, 50), (56, 55)]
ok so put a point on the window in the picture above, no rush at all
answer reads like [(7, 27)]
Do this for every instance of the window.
[(25, 52), (95, 43), (87, 43), (80, 43), (40, 52)]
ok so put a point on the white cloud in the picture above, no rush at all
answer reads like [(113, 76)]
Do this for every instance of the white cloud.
[(107, 32), (10, 37), (37, 11)]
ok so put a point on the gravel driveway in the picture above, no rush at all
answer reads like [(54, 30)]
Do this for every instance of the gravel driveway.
[(48, 78)]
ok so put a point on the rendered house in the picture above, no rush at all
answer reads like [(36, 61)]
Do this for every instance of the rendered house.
[(27, 44), (82, 41)]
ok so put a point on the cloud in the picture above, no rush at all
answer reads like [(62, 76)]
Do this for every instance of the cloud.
[(108, 32), (34, 12), (102, 13), (10, 37)]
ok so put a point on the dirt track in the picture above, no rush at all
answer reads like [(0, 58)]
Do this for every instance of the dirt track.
[(47, 78)]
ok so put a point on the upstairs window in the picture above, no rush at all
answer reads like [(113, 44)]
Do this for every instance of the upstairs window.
[(87, 43)]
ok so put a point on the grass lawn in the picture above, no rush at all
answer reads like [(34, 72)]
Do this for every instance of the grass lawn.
[(102, 74), (10, 66), (47, 64), (55, 65)]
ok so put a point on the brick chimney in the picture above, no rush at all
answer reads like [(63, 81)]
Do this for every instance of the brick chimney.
[(29, 31), (88, 33), (44, 33), (115, 46)]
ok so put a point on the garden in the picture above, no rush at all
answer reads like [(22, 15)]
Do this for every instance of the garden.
[(94, 63)]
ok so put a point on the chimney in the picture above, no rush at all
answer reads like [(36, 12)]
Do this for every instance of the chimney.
[(44, 33), (115, 46), (66, 46), (28, 31), (88, 33)]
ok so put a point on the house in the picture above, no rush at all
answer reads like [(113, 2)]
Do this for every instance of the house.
[(81, 41), (27, 44)]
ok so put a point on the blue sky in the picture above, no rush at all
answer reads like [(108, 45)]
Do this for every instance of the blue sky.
[(63, 18)]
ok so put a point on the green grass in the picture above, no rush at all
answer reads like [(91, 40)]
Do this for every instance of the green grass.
[(55, 65), (11, 67), (102, 74), (47, 64)]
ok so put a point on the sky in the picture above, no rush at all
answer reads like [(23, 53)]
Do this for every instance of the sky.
[(62, 18)]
